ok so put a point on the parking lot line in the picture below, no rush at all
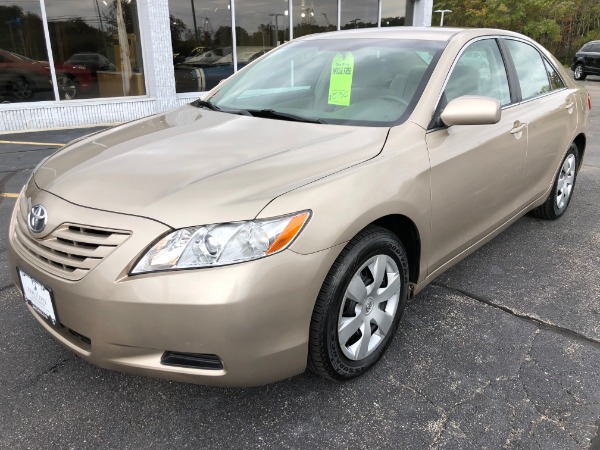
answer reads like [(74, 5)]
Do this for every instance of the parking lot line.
[(54, 144), (8, 194)]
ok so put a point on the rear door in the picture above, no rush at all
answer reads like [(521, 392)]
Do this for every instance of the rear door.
[(551, 113), (476, 170)]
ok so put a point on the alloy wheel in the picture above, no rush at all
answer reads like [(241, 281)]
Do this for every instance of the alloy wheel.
[(66, 87)]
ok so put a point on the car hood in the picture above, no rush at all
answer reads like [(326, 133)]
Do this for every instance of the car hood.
[(194, 166)]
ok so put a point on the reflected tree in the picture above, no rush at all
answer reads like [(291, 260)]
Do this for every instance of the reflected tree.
[(22, 33)]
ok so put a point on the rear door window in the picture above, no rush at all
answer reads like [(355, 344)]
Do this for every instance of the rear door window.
[(556, 81), (531, 70)]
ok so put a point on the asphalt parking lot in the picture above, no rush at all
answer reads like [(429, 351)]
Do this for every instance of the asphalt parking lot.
[(501, 351)]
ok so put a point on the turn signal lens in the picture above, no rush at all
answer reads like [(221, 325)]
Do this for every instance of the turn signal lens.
[(589, 102), (289, 233)]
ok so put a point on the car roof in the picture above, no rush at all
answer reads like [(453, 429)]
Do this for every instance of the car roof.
[(417, 33)]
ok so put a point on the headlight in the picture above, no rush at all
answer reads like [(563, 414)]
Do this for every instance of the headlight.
[(221, 244)]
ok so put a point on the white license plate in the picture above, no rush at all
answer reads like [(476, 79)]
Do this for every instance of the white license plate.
[(38, 296)]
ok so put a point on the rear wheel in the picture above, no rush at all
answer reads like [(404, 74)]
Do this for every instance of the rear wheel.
[(562, 189), (20, 89), (578, 73), (359, 305)]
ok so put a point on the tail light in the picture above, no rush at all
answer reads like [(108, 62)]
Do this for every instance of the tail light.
[(589, 102)]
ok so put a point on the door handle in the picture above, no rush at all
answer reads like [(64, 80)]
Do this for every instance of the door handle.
[(518, 127), (569, 105)]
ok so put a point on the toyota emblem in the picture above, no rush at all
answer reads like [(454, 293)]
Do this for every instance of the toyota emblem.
[(37, 219)]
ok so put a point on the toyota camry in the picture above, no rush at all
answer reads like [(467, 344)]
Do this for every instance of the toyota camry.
[(283, 221)]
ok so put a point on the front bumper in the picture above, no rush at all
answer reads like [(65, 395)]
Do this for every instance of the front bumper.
[(254, 316)]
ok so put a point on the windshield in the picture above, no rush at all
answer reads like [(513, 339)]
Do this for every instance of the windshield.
[(373, 82)]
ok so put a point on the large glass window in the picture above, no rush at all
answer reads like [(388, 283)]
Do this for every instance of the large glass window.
[(24, 69), (202, 43), (358, 14), (96, 48), (314, 17), (396, 13), (260, 25)]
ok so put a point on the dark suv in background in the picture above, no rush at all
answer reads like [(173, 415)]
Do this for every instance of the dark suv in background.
[(587, 61)]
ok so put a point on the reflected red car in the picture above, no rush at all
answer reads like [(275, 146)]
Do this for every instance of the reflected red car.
[(22, 77)]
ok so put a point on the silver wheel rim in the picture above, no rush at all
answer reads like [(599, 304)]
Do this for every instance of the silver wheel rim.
[(67, 87), (369, 307), (564, 186), (578, 71)]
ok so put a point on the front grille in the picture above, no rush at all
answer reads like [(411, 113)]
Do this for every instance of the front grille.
[(71, 250)]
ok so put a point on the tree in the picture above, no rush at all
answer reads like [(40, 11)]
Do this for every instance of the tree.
[(559, 25)]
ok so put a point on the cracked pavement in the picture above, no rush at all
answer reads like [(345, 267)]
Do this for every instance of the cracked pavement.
[(501, 351)]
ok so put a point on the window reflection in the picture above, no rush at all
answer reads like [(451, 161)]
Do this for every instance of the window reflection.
[(262, 24), (202, 43), (96, 48), (314, 17), (24, 69), (533, 78), (396, 13), (358, 14)]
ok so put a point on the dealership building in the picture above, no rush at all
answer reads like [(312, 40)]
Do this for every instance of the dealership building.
[(74, 63)]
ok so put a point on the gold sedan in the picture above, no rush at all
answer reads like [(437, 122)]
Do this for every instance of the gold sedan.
[(284, 220)]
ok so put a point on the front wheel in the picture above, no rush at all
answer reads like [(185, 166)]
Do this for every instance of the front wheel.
[(562, 189), (67, 87), (578, 73), (359, 305)]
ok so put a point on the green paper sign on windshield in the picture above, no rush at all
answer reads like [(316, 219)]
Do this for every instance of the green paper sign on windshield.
[(340, 83)]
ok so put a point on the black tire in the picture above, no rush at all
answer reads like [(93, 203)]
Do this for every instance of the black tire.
[(326, 357), (578, 73), (550, 210)]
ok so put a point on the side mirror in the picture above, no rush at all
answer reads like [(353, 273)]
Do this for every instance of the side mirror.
[(472, 110)]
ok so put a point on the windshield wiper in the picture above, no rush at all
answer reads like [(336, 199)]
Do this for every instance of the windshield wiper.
[(205, 104), (272, 114), (212, 106), (267, 113)]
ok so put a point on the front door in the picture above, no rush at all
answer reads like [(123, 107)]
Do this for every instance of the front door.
[(476, 170)]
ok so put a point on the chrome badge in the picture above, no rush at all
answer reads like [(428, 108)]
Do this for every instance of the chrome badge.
[(37, 219)]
